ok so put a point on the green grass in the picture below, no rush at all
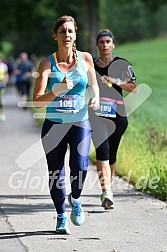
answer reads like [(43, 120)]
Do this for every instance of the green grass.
[(143, 149), (149, 61)]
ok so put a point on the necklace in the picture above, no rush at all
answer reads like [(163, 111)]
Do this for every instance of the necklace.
[(67, 61), (104, 63)]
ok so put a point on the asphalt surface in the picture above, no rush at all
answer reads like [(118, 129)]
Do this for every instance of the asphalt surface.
[(27, 216)]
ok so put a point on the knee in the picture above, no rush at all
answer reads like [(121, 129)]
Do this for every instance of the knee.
[(112, 160)]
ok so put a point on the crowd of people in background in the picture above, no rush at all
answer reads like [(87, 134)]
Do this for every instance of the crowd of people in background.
[(17, 73), (3, 83)]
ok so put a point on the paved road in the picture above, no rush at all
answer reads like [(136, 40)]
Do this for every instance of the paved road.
[(27, 216)]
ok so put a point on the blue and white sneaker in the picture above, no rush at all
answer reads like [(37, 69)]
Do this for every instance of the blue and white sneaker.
[(62, 224), (77, 214)]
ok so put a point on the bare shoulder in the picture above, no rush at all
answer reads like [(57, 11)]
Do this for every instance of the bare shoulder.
[(86, 56), (45, 64)]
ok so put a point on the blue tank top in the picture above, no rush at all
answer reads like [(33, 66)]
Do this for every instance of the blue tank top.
[(70, 106)]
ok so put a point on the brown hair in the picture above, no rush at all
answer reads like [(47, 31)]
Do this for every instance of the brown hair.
[(61, 20)]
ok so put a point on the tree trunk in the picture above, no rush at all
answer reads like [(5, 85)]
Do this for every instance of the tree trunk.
[(91, 25)]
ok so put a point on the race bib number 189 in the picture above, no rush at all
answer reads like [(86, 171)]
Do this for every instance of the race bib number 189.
[(107, 108)]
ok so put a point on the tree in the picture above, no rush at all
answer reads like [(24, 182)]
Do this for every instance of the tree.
[(27, 24), (91, 25)]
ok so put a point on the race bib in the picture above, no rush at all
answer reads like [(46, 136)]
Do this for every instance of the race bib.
[(107, 107), (68, 103)]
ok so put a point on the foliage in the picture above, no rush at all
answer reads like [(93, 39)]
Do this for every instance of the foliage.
[(143, 153), (132, 21), (27, 24)]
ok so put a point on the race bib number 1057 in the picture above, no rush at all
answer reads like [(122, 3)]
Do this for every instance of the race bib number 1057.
[(67, 103)]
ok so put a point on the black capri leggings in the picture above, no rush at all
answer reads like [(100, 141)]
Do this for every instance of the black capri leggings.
[(55, 138), (106, 136)]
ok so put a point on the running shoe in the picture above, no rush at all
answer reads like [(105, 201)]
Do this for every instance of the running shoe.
[(107, 200), (77, 214), (62, 225)]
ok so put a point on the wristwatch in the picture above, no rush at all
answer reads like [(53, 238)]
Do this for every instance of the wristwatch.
[(119, 82)]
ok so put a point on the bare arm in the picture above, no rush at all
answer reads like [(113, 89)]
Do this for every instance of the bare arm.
[(129, 86), (42, 98), (92, 81)]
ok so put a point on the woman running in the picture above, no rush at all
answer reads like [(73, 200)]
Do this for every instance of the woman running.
[(61, 85), (109, 123)]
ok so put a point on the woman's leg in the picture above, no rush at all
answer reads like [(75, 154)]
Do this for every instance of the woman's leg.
[(114, 141), (102, 160), (79, 141), (100, 141), (104, 173), (112, 169), (55, 146)]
